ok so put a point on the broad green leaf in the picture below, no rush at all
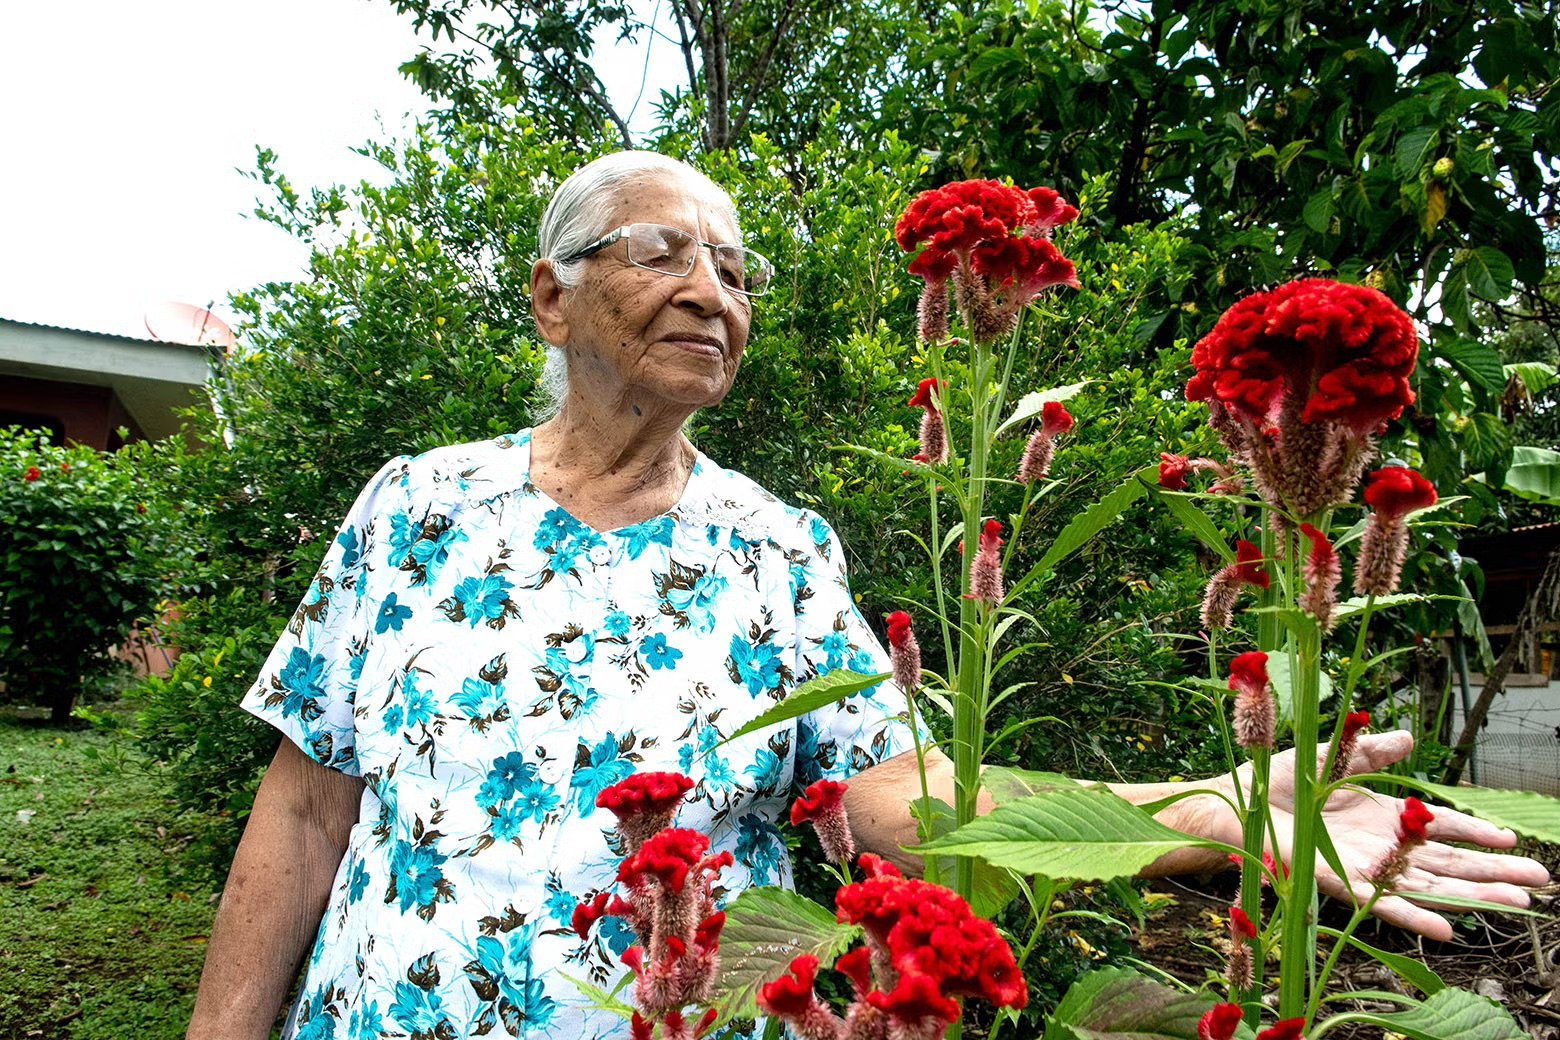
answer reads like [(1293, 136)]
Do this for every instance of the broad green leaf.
[(1449, 1014), (1413, 148), (1031, 403), (1528, 813), (1486, 439), (1093, 520), (1412, 970), (599, 998), (1284, 687), (1536, 376), (1121, 1004), (810, 696), (1534, 474), (1477, 362), (1356, 605), (1319, 210), (766, 928), (1086, 833), (1196, 522), (994, 887), (1490, 273), (1008, 785), (997, 60)]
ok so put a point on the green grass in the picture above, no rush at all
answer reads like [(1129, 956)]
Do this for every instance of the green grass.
[(104, 930)]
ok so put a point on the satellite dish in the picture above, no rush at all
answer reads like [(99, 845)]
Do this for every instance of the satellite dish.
[(190, 325)]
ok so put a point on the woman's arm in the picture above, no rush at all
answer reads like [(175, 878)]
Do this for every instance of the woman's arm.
[(275, 894)]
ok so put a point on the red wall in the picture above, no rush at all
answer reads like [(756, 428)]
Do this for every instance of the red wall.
[(90, 415)]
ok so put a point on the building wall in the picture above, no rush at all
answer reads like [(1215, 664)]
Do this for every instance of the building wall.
[(89, 415)]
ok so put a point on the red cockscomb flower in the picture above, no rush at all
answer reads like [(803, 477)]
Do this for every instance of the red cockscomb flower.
[(1255, 716), (1392, 492), (986, 568), (587, 914), (915, 998), (1352, 724), (1173, 471), (1413, 831), (904, 651), (668, 857), (1219, 1022), (823, 804), (644, 804), (1395, 491), (1322, 572), (32, 474), (1218, 608), (1288, 1029), (934, 431), (1036, 463), (1413, 820)]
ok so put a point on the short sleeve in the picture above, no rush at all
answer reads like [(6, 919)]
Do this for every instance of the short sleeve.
[(308, 684), (855, 732)]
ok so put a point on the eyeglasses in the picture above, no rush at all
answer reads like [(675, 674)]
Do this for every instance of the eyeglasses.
[(670, 251)]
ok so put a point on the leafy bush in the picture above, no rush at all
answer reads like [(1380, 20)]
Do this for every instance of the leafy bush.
[(85, 556)]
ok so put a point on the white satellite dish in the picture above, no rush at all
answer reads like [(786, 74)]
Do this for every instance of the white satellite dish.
[(190, 325)]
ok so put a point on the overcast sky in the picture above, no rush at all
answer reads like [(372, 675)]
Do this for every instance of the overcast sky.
[(124, 126)]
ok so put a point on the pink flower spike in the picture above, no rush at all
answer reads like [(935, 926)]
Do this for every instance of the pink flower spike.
[(986, 568), (823, 805), (1321, 572), (904, 651), (1219, 1023), (1173, 471), (1255, 715), (1352, 724)]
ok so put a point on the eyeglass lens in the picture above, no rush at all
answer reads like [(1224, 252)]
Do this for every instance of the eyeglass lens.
[(674, 252)]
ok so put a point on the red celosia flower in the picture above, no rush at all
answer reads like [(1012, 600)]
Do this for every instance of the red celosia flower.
[(1173, 471), (587, 914), (904, 651), (1344, 352), (875, 866), (915, 998), (1255, 716), (856, 966), (1242, 933), (1413, 820), (32, 474), (1219, 1022), (1051, 211), (934, 431), (986, 568), (823, 804), (1022, 266), (1248, 564), (654, 793), (708, 935), (1288, 1029), (1054, 418), (1322, 572), (926, 394), (791, 995), (1394, 491), (668, 856), (641, 1028), (1218, 608), (1036, 463), (1240, 925), (1352, 724)]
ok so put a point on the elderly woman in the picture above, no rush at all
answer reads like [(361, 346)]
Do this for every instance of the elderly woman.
[(501, 630)]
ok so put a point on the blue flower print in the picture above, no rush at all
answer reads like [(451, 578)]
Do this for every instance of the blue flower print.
[(511, 772), (419, 702), (718, 775), (392, 616), (616, 625), (708, 737), (351, 549), (392, 718), (415, 869), (509, 969), (616, 933), (492, 792), (560, 907), (820, 532), (604, 769), (554, 527), (536, 799), (760, 846), (431, 553), (685, 758), (641, 536), (314, 1022), (355, 665), (506, 823), (834, 646), (478, 698), (765, 771), (699, 602), (357, 884), (303, 678), (403, 534), (657, 654), (366, 1022), (484, 598), (418, 1011), (757, 666)]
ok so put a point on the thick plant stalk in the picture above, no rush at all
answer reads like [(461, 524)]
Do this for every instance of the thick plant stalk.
[(1298, 923)]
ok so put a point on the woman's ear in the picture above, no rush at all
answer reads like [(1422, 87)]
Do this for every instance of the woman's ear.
[(547, 304)]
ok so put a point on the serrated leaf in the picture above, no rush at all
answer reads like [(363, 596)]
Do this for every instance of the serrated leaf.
[(1410, 969), (1121, 1004), (1449, 1014), (1477, 362), (1083, 527), (1319, 210), (808, 697), (1527, 813), (1006, 784), (1534, 474), (1197, 523), (994, 888), (1031, 403), (1356, 605), (766, 928), (1536, 376), (1490, 273), (1087, 834), (1413, 148)]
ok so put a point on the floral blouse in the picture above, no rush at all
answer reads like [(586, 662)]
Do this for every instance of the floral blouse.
[(488, 664)]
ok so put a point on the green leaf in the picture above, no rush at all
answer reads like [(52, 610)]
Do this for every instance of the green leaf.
[(1319, 210), (810, 696), (1534, 474), (1490, 273), (994, 887), (1006, 784), (1356, 605), (1448, 1014), (997, 60), (1196, 522), (1284, 687), (1534, 815), (1086, 833), (1536, 376), (1121, 1004), (1031, 403), (1478, 363), (599, 998), (1093, 520), (766, 928), (1411, 969), (1413, 147)]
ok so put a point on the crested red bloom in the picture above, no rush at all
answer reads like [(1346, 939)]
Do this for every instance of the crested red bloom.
[(904, 651), (875, 866), (641, 1028), (1219, 1022), (926, 393), (1173, 471), (821, 798), (668, 856), (1413, 820), (587, 914), (934, 432), (1342, 352), (654, 793), (32, 474), (1241, 926), (986, 568), (1352, 724), (791, 995), (1024, 266), (1322, 572), (1054, 418), (916, 997), (899, 628), (634, 957), (1248, 564), (1288, 1029), (1248, 672), (1051, 211), (1394, 491), (708, 935), (856, 966), (1255, 715)]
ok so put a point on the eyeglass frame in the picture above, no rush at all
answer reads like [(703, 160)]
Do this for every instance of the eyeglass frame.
[(620, 233)]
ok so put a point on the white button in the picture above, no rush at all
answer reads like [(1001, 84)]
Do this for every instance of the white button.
[(600, 554), (552, 770)]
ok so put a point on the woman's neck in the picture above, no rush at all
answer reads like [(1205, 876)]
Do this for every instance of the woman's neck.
[(611, 470)]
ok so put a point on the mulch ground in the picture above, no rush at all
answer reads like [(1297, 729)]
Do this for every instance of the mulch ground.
[(1512, 959)]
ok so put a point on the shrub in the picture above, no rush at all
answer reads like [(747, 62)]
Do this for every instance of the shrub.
[(84, 557)]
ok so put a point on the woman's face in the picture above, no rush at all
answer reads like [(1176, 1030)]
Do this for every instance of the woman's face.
[(634, 334)]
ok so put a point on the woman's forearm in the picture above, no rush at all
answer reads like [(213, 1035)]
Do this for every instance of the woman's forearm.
[(275, 893)]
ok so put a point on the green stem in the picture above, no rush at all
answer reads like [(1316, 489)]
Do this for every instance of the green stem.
[(1332, 956), (1298, 936)]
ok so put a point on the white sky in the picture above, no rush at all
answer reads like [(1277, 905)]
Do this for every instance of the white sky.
[(124, 125)]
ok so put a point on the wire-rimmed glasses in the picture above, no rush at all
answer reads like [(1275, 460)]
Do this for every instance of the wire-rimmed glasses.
[(672, 251)]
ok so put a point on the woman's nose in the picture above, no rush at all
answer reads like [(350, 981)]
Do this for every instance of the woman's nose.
[(702, 288)]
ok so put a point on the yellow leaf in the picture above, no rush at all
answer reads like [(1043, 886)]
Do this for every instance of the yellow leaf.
[(1435, 206), (1067, 679)]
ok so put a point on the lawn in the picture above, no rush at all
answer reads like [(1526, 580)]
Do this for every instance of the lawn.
[(104, 930)]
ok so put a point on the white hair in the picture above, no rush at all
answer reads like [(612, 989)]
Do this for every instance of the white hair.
[(575, 217)]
